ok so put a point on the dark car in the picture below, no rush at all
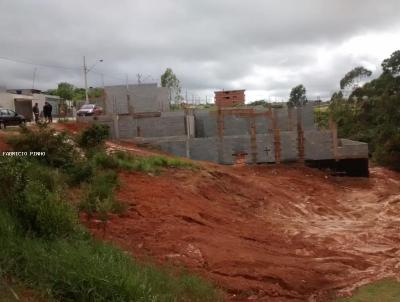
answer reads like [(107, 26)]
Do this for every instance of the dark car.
[(10, 118), (89, 109)]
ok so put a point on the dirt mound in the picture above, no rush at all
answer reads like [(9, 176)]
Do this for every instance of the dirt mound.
[(266, 233)]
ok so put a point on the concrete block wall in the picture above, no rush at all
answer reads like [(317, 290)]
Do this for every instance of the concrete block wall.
[(160, 126), (116, 99), (308, 117), (204, 149), (169, 132), (205, 125), (352, 149), (263, 124), (236, 125), (149, 98), (288, 143), (126, 127), (265, 148), (318, 145), (142, 98)]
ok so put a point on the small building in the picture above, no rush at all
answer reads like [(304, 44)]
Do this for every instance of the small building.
[(22, 101), (229, 98)]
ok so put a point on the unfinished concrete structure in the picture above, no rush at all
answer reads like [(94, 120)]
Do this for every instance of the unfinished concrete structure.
[(127, 99), (231, 135)]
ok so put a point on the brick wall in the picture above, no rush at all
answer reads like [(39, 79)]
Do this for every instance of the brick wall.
[(229, 98)]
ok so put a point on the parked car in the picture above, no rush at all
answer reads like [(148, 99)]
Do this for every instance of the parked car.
[(89, 109), (10, 118)]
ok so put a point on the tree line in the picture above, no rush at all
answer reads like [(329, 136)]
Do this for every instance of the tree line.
[(371, 112)]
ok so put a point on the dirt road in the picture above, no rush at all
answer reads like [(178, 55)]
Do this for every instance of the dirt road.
[(265, 233)]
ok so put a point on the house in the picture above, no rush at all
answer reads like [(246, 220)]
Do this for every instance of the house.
[(229, 98), (137, 98), (22, 101)]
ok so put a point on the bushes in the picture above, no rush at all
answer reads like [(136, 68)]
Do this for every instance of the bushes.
[(33, 195), (59, 147), (79, 172), (93, 137), (99, 195), (375, 121)]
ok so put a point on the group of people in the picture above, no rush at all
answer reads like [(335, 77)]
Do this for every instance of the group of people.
[(47, 110)]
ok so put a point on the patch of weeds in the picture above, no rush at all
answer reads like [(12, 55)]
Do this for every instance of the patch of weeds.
[(79, 172), (93, 137), (33, 194), (387, 290), (82, 269), (99, 194), (58, 146), (151, 164)]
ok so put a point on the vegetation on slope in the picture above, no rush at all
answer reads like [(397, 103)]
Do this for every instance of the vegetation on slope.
[(387, 290), (42, 244), (371, 114)]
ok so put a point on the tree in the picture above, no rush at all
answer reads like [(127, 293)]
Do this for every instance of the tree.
[(169, 80), (68, 91), (354, 75), (374, 118), (297, 96), (392, 64), (65, 90), (337, 96)]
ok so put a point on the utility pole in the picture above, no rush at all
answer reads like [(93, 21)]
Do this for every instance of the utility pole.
[(34, 77), (139, 78), (85, 71), (102, 80)]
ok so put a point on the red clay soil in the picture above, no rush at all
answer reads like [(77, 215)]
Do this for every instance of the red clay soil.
[(3, 145), (264, 233)]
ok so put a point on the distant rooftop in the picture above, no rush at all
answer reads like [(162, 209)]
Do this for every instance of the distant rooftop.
[(28, 91)]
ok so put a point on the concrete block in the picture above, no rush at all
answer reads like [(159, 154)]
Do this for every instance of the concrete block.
[(318, 145), (289, 149)]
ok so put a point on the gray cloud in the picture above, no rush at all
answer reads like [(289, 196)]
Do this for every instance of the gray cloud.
[(259, 45)]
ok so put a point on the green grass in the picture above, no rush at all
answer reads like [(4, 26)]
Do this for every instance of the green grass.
[(44, 248), (14, 291), (82, 269), (386, 290), (150, 164)]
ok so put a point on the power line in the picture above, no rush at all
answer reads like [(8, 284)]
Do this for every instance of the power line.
[(79, 69), (38, 64)]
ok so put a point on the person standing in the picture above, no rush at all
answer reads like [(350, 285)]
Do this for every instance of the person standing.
[(46, 112), (50, 112), (35, 111)]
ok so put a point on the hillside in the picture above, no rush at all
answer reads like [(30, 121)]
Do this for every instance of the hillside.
[(268, 233)]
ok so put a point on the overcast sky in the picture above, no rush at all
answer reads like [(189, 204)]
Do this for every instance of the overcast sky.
[(263, 46)]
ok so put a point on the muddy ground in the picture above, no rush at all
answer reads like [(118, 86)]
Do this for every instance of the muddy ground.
[(261, 233), (264, 233)]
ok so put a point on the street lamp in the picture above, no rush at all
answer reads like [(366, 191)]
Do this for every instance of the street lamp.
[(85, 72)]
